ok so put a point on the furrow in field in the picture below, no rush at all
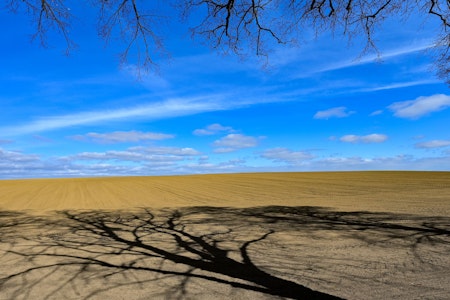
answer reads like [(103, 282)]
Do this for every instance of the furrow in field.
[(424, 192)]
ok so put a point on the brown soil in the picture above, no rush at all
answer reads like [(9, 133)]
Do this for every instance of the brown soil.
[(352, 235)]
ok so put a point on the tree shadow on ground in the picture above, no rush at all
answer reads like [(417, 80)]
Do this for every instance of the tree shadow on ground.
[(177, 250)]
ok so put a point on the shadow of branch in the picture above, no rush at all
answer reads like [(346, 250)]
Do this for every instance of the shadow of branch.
[(178, 248)]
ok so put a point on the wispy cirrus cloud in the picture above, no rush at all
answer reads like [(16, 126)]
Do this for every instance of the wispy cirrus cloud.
[(422, 106), (335, 112), (367, 139), (122, 137), (433, 144), (397, 85), (374, 58), (171, 108), (151, 111)]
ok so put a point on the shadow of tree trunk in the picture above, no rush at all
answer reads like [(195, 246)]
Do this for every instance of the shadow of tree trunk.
[(209, 244), (199, 252)]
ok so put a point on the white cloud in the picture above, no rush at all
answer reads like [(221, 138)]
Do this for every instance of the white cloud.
[(114, 155), (204, 166), (202, 132), (335, 112), (374, 138), (213, 129), (414, 109), (433, 144), (9, 157), (287, 156), (368, 139), (14, 164), (233, 142), (138, 154), (399, 162), (167, 150), (376, 113), (122, 136), (349, 138)]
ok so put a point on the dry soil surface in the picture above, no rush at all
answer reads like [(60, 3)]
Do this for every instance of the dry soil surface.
[(351, 235)]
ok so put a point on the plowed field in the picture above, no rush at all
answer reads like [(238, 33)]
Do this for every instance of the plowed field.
[(341, 235), (415, 192)]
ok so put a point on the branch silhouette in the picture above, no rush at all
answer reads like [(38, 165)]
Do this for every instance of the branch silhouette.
[(242, 27), (177, 247)]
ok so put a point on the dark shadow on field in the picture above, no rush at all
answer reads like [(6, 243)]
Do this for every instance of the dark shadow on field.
[(175, 251)]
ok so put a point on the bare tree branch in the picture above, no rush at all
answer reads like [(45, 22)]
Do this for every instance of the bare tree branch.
[(47, 15), (240, 26), (135, 25)]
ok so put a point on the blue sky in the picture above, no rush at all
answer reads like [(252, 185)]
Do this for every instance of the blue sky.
[(319, 107)]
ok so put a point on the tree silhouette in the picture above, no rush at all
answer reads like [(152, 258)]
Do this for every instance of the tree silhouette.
[(176, 250), (240, 26)]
